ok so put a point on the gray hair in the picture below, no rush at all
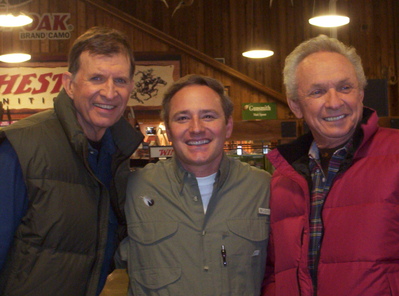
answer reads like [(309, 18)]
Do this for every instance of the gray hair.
[(319, 44)]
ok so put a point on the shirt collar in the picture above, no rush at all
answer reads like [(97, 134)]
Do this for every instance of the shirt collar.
[(314, 150), (221, 175)]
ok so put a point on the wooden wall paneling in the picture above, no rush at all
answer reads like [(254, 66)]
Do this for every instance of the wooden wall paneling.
[(388, 54), (394, 71), (208, 41), (292, 27), (233, 47), (81, 13), (160, 15), (45, 43), (244, 36), (199, 13), (224, 38), (91, 16), (136, 40)]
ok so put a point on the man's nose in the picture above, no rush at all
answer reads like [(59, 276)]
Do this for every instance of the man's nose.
[(108, 90), (333, 99), (196, 125)]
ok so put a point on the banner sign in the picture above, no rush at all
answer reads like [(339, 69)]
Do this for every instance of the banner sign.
[(30, 87), (251, 111), (161, 151)]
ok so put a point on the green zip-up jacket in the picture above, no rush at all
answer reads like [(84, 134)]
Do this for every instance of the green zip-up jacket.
[(59, 246)]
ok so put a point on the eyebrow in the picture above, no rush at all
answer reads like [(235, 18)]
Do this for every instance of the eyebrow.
[(346, 80), (202, 111)]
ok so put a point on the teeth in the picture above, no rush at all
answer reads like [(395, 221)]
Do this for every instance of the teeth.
[(103, 106), (334, 118), (199, 142)]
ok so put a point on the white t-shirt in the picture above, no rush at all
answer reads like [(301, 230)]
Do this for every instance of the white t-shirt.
[(205, 185)]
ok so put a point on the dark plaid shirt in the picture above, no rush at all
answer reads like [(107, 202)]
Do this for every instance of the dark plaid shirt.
[(321, 187)]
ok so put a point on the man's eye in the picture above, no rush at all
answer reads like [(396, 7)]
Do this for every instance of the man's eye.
[(96, 78), (120, 81), (209, 116), (317, 93), (345, 89), (181, 118)]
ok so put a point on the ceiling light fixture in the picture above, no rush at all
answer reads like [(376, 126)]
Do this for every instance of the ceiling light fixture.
[(15, 57), (331, 19), (8, 19), (259, 52)]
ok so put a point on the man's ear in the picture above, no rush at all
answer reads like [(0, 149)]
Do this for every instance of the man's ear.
[(361, 95), (229, 127), (67, 83), (295, 107)]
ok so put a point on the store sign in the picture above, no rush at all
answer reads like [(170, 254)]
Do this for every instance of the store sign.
[(161, 151), (30, 87), (53, 26), (251, 111)]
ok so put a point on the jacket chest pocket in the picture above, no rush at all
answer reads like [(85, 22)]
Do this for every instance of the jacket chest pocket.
[(246, 255)]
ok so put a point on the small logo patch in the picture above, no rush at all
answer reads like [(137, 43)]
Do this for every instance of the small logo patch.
[(149, 202), (263, 211)]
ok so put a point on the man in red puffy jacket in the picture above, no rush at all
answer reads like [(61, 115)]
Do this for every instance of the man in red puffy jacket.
[(335, 191)]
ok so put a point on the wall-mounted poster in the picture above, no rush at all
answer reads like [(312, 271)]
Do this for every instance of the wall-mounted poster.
[(153, 76)]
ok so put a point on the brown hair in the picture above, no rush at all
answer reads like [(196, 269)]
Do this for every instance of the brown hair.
[(194, 79), (100, 41)]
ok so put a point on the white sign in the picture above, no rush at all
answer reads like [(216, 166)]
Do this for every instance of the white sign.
[(30, 87), (161, 151)]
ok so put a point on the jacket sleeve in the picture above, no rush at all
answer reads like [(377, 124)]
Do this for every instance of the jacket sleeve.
[(13, 198), (268, 286)]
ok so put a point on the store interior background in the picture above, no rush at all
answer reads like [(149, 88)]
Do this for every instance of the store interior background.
[(209, 36)]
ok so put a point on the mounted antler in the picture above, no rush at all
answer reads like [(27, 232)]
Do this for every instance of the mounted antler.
[(182, 4), (166, 3)]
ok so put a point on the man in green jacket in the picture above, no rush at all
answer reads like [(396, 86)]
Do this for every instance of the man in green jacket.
[(198, 223), (63, 176)]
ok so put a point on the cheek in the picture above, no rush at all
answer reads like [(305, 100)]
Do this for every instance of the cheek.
[(311, 109)]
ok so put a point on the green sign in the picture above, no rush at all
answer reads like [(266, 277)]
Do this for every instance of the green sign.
[(252, 111)]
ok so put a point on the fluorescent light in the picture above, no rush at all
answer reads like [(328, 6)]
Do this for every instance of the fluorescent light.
[(15, 57), (329, 21), (258, 54)]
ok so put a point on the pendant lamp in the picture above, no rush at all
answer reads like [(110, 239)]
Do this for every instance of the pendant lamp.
[(256, 52), (8, 19), (330, 19)]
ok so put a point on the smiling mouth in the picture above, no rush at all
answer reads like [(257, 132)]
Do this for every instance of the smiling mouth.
[(335, 118), (198, 142), (103, 106)]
